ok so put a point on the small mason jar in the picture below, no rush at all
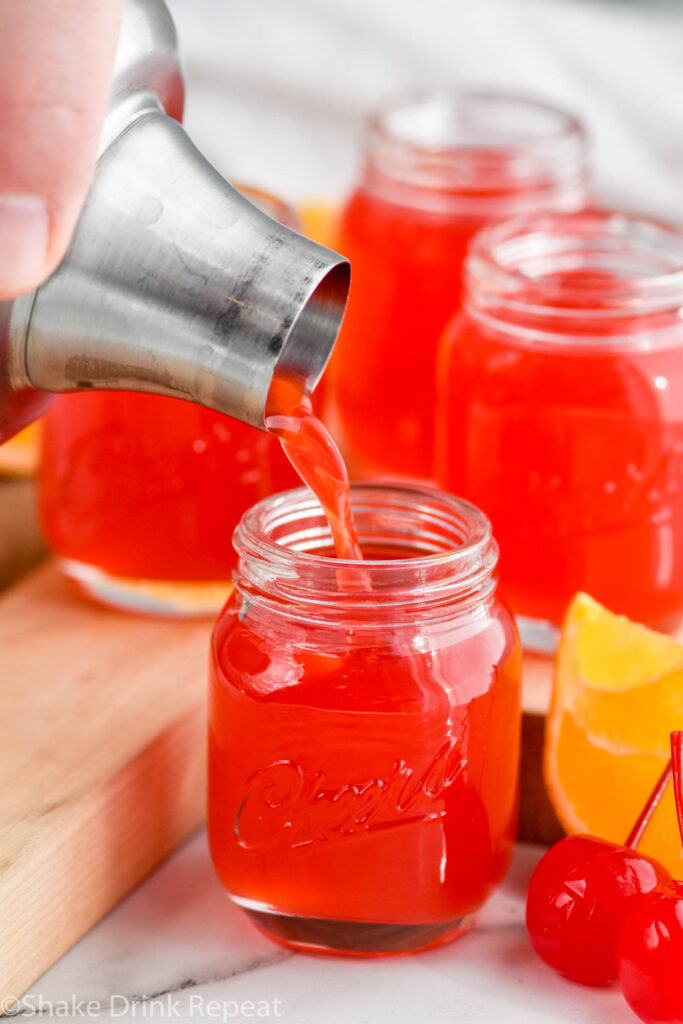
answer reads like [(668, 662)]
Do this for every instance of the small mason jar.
[(437, 168), (140, 493), (561, 412), (364, 723)]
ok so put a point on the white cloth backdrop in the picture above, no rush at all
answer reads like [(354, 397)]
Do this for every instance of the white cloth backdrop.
[(278, 89)]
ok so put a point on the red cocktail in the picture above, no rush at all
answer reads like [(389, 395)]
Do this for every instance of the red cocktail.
[(364, 724), (140, 495), (561, 411), (436, 170)]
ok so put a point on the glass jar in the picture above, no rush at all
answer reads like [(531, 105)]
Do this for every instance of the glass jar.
[(364, 723), (140, 494), (561, 412), (437, 168)]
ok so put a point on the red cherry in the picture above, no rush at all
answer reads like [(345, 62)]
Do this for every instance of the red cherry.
[(650, 956), (650, 951), (579, 895)]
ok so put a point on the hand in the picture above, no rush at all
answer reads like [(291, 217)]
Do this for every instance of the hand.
[(56, 58)]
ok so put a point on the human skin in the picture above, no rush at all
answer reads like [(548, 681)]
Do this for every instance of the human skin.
[(55, 72)]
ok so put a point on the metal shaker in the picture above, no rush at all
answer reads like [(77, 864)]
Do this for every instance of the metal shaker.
[(174, 283)]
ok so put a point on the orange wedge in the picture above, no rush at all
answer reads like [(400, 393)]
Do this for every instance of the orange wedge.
[(19, 455), (618, 694)]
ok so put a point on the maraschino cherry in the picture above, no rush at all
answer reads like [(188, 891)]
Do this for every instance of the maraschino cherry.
[(581, 893), (650, 951)]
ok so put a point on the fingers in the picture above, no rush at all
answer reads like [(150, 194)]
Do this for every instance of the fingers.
[(56, 58)]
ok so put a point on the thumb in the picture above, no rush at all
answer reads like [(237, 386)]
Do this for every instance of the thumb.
[(56, 58)]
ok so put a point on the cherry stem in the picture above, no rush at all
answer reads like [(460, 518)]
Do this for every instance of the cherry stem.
[(677, 763), (650, 807)]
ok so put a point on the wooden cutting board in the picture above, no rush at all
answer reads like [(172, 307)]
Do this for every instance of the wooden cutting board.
[(102, 770)]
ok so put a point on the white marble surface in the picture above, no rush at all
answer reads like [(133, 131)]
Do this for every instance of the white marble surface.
[(177, 943), (277, 94)]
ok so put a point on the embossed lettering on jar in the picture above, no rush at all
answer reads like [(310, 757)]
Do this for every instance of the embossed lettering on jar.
[(364, 724)]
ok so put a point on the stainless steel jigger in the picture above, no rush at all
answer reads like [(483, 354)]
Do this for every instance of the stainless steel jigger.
[(174, 282)]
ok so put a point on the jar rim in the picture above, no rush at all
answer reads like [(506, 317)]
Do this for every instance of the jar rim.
[(455, 551), (630, 265), (478, 143)]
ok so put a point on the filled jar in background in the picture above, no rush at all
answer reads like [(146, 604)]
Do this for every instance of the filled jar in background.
[(560, 412), (437, 168), (364, 723), (140, 494)]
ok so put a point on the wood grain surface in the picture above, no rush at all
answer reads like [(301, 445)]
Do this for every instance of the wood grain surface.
[(21, 544), (102, 770)]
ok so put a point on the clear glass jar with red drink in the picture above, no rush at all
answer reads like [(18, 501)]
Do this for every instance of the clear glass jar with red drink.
[(437, 169), (561, 412), (140, 493), (364, 723)]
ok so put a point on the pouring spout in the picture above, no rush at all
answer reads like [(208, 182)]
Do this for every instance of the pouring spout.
[(176, 284)]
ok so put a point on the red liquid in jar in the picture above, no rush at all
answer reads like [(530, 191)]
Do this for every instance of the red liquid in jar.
[(362, 782), (367, 788), (405, 285), (151, 487), (575, 453), (438, 167)]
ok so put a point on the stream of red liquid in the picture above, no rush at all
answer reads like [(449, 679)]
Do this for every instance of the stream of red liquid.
[(313, 453)]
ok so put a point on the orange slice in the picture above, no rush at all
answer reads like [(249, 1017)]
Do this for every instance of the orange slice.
[(19, 455), (618, 693)]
